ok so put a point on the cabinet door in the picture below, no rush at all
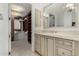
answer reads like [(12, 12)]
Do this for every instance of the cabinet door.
[(42, 45), (45, 47), (37, 43), (76, 48), (50, 47)]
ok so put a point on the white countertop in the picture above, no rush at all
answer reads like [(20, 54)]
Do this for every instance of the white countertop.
[(64, 35)]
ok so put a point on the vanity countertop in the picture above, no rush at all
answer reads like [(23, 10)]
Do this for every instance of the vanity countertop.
[(60, 35)]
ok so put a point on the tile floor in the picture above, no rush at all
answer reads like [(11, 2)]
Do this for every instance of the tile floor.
[(21, 47)]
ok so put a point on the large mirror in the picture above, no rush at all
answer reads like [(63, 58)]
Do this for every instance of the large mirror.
[(61, 15)]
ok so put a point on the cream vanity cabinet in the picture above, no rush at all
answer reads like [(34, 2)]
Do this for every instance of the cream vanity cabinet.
[(50, 46), (64, 47), (41, 44), (37, 43), (76, 48), (54, 46), (44, 45)]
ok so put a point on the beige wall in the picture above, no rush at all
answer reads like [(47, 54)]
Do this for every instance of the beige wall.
[(40, 7), (4, 29)]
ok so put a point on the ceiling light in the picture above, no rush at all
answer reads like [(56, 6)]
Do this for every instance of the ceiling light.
[(17, 8), (16, 14)]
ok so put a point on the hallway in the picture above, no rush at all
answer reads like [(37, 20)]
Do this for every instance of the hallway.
[(21, 47)]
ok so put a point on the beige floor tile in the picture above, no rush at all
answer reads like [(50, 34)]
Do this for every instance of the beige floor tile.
[(21, 47)]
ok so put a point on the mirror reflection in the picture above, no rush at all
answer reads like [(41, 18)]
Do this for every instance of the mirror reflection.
[(61, 15)]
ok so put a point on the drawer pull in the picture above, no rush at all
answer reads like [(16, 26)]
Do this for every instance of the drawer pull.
[(63, 53), (67, 43)]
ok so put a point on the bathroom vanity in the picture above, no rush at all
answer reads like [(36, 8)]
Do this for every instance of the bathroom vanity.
[(62, 19), (56, 44)]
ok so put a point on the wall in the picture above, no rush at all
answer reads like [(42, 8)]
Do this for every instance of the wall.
[(40, 7), (68, 19), (4, 29), (77, 14)]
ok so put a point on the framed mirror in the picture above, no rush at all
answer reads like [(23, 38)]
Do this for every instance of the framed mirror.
[(61, 15)]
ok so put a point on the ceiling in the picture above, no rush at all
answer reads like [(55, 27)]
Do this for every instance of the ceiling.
[(20, 9)]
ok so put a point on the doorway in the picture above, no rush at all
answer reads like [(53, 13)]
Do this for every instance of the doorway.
[(21, 29)]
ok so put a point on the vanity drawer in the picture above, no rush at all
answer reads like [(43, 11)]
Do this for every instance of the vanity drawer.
[(68, 42), (59, 41), (64, 42), (63, 52)]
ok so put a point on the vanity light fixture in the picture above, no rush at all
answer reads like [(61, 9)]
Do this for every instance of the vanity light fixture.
[(70, 7), (46, 15)]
